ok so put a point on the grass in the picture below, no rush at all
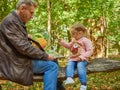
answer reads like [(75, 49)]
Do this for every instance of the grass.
[(104, 81), (96, 81)]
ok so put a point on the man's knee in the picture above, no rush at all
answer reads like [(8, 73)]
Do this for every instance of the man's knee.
[(56, 65)]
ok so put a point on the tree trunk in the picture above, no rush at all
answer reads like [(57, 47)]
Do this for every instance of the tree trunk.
[(49, 19)]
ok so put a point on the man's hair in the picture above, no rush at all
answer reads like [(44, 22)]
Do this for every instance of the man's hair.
[(26, 2)]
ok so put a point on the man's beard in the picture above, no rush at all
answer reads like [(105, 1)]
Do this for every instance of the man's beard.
[(24, 17)]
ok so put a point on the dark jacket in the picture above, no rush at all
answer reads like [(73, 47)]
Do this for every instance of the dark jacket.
[(16, 51)]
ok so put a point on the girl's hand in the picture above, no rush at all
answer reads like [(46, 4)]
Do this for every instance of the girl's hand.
[(77, 58), (59, 40)]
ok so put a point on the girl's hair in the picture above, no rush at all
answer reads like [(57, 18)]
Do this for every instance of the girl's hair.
[(26, 2), (77, 27)]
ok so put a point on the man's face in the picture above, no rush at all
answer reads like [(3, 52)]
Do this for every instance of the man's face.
[(26, 13)]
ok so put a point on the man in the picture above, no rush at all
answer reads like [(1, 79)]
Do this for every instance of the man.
[(18, 58)]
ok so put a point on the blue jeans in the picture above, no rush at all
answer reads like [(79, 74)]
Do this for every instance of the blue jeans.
[(50, 73), (81, 70)]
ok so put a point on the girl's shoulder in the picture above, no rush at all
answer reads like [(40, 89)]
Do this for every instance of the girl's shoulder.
[(84, 40)]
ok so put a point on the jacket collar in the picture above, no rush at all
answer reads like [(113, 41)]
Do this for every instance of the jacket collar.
[(15, 14), (21, 22)]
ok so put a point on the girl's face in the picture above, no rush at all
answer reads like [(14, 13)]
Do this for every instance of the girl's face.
[(77, 35)]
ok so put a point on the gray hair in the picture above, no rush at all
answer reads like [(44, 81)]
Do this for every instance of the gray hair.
[(26, 2)]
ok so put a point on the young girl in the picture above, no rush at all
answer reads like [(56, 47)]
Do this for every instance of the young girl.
[(81, 49)]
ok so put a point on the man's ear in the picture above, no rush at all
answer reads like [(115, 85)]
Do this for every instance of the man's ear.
[(22, 7)]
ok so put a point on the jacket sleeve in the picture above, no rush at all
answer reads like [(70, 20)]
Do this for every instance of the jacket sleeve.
[(88, 49), (19, 40), (66, 44)]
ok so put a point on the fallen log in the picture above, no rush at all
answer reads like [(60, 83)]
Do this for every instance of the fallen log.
[(95, 65)]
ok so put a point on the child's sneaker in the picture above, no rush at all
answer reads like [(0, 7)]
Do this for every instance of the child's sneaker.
[(83, 87), (69, 80)]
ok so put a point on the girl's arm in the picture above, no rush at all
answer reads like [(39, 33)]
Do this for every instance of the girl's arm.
[(88, 49), (65, 44)]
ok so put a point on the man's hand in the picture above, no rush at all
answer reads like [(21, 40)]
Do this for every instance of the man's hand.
[(29, 35), (51, 57)]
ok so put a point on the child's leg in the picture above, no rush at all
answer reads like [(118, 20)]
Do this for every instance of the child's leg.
[(70, 69), (81, 68), (70, 72)]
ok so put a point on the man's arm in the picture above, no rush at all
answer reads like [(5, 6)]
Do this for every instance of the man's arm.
[(19, 41)]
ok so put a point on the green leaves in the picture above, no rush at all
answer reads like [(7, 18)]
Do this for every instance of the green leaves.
[(65, 13)]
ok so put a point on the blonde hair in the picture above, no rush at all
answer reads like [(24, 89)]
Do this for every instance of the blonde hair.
[(26, 2), (77, 27)]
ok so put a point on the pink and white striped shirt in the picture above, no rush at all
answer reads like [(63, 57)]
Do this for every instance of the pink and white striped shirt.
[(86, 47)]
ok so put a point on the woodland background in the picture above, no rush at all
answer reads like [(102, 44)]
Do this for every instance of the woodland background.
[(52, 20)]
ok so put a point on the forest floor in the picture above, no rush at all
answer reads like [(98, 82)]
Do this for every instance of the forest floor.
[(96, 81)]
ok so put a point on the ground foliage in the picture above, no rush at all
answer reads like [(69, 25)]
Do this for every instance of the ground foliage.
[(96, 81), (101, 17)]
